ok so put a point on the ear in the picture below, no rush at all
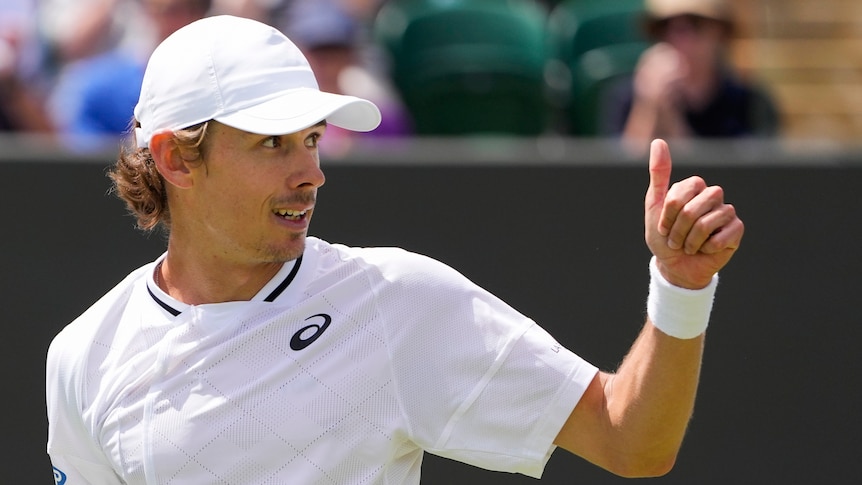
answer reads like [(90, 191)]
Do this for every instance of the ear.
[(169, 161)]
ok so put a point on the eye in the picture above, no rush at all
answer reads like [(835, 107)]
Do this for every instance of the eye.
[(312, 140), (272, 142)]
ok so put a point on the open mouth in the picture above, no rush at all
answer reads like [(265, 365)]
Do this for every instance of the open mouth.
[(292, 215)]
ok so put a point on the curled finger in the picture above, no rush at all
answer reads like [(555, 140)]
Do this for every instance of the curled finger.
[(684, 211), (728, 236)]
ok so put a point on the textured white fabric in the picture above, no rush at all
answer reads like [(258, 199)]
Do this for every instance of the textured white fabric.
[(367, 359), (679, 312)]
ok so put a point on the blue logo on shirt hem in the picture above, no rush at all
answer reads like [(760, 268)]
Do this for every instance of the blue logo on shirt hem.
[(59, 477)]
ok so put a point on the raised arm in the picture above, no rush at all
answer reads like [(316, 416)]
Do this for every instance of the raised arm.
[(632, 422), (657, 108)]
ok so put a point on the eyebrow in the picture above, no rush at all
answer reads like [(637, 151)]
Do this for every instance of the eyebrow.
[(319, 124)]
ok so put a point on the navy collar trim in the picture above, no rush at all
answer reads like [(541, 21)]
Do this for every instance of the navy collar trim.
[(269, 298)]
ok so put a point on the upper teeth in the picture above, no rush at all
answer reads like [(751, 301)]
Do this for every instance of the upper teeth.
[(291, 213)]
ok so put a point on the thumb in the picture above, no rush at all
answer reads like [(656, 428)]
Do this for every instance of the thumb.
[(659, 181)]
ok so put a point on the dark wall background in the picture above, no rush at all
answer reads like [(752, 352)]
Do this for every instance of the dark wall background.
[(781, 384)]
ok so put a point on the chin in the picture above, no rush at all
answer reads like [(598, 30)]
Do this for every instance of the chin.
[(288, 251)]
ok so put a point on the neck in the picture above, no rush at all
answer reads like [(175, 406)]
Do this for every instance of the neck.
[(701, 86), (198, 280)]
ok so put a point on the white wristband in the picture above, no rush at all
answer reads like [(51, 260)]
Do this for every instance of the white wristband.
[(678, 312)]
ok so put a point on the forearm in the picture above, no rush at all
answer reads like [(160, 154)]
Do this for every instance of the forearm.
[(649, 119), (632, 422), (642, 122), (651, 397), (638, 415)]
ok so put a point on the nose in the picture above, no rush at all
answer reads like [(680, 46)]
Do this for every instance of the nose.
[(307, 172)]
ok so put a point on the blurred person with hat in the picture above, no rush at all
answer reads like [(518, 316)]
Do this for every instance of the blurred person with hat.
[(684, 85)]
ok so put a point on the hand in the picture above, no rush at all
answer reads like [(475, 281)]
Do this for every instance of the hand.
[(659, 77), (688, 227)]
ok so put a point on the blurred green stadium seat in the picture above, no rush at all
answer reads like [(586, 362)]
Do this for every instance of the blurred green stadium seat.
[(592, 74), (597, 41), (469, 66)]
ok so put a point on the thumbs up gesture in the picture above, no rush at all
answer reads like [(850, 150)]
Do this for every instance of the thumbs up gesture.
[(689, 228)]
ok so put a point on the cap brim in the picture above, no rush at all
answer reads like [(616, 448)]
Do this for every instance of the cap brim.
[(298, 109)]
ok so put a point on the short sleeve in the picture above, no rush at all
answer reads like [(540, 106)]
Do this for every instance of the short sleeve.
[(74, 454), (512, 423), (478, 381)]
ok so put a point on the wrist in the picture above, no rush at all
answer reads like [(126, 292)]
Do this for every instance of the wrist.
[(679, 312), (679, 280)]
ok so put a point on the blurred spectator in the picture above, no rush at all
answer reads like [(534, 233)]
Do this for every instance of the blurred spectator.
[(260, 10), (94, 98), (684, 86), (21, 92), (364, 10), (329, 33), (78, 29)]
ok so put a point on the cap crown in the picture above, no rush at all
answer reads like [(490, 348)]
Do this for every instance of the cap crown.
[(215, 67)]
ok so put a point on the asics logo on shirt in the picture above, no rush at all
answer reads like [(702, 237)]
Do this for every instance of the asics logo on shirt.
[(59, 477), (306, 335)]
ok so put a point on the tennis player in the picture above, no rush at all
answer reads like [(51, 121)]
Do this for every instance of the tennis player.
[(253, 353)]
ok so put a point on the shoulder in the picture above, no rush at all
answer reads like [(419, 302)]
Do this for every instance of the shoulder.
[(743, 90), (754, 102), (68, 362), (396, 264), (78, 334), (392, 273)]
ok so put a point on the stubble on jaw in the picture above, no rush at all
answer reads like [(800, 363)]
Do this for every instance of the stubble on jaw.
[(282, 254)]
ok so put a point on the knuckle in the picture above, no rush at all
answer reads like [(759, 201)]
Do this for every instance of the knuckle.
[(687, 214), (694, 184), (702, 226), (718, 189), (714, 192), (676, 198), (730, 209)]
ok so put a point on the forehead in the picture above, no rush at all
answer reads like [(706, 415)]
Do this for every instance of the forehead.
[(227, 128), (229, 132)]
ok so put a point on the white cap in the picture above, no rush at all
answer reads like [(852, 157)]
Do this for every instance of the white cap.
[(244, 74)]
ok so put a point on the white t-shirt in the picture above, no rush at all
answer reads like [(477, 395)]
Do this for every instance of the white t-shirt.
[(344, 368)]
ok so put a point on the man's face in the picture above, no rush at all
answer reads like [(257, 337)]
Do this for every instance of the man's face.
[(252, 196), (698, 39)]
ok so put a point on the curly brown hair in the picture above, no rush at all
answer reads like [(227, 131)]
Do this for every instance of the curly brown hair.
[(139, 184)]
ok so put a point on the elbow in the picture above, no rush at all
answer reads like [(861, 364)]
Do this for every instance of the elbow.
[(643, 472), (650, 471), (644, 467)]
